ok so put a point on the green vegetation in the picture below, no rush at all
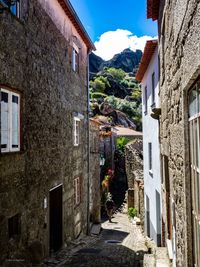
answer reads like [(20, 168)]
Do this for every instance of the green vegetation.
[(121, 143), (99, 84), (120, 90), (118, 74), (132, 212)]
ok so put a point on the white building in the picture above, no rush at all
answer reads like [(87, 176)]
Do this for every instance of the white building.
[(148, 75)]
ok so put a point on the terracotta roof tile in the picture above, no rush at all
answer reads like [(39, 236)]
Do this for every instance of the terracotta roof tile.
[(146, 58), (153, 9)]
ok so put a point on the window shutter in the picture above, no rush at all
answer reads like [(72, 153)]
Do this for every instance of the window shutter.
[(74, 59), (4, 121), (15, 121)]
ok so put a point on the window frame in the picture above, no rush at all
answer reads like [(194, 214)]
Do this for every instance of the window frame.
[(17, 5), (77, 191), (76, 132), (9, 145), (150, 160), (75, 59), (153, 89), (145, 100)]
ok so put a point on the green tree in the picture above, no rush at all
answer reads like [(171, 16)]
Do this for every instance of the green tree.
[(118, 74), (99, 84)]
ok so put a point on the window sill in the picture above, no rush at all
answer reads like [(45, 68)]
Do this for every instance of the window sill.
[(6, 153)]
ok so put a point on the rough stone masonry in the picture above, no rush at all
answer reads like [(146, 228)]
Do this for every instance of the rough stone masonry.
[(179, 38), (35, 60)]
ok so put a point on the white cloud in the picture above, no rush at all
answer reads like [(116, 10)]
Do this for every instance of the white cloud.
[(113, 42)]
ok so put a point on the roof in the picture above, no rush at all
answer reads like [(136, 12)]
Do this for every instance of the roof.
[(95, 121), (70, 12), (122, 131), (153, 9), (146, 58)]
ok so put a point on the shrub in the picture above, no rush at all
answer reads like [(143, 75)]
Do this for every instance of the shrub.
[(121, 142), (118, 74), (132, 212)]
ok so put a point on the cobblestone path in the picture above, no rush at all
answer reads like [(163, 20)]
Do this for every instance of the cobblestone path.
[(120, 243)]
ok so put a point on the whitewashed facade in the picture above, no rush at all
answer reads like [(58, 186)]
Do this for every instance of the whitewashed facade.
[(152, 176)]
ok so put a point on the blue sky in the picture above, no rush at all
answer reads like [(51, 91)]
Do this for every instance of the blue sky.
[(108, 16)]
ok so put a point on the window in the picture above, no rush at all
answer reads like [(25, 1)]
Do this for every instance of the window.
[(150, 156), (14, 226), (77, 191), (76, 131), (10, 121), (75, 60), (153, 89), (14, 6), (145, 100), (194, 125)]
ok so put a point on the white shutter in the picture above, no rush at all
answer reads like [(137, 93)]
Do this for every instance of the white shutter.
[(74, 59), (15, 122), (4, 122), (76, 131)]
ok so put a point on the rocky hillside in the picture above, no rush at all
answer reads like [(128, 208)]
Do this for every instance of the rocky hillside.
[(114, 92), (126, 60)]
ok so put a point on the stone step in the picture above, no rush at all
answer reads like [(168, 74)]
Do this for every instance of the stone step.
[(159, 259), (149, 260), (162, 258)]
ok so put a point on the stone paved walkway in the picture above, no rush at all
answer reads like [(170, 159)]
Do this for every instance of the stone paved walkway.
[(120, 244)]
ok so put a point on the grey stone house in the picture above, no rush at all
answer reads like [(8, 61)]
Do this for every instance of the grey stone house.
[(179, 53), (95, 199), (44, 176)]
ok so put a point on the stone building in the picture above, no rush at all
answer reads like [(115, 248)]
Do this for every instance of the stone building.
[(44, 173), (179, 53), (135, 176), (148, 75), (95, 199)]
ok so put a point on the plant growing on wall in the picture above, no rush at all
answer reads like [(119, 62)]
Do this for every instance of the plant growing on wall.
[(132, 212)]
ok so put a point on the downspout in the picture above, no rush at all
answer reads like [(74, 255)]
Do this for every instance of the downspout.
[(88, 147)]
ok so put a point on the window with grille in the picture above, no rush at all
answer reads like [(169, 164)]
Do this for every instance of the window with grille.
[(10, 121)]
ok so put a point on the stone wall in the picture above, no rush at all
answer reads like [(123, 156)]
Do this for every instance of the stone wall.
[(134, 172), (179, 37), (95, 201), (35, 60)]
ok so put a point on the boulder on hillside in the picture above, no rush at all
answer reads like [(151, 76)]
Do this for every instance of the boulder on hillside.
[(118, 117)]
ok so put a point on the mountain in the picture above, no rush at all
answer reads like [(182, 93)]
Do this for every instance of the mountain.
[(127, 60)]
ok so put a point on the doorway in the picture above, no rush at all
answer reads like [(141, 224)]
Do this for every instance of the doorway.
[(55, 218)]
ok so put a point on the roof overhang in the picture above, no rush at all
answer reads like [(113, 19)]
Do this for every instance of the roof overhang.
[(70, 12), (153, 9), (146, 58)]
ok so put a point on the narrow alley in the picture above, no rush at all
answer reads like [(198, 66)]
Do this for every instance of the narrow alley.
[(120, 243)]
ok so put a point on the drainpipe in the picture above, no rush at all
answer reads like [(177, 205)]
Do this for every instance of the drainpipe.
[(88, 147)]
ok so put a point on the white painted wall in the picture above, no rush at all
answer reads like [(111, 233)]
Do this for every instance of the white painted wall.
[(151, 135)]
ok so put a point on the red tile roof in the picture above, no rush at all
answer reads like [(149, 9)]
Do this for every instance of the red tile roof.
[(122, 131), (146, 58), (153, 9), (70, 12)]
